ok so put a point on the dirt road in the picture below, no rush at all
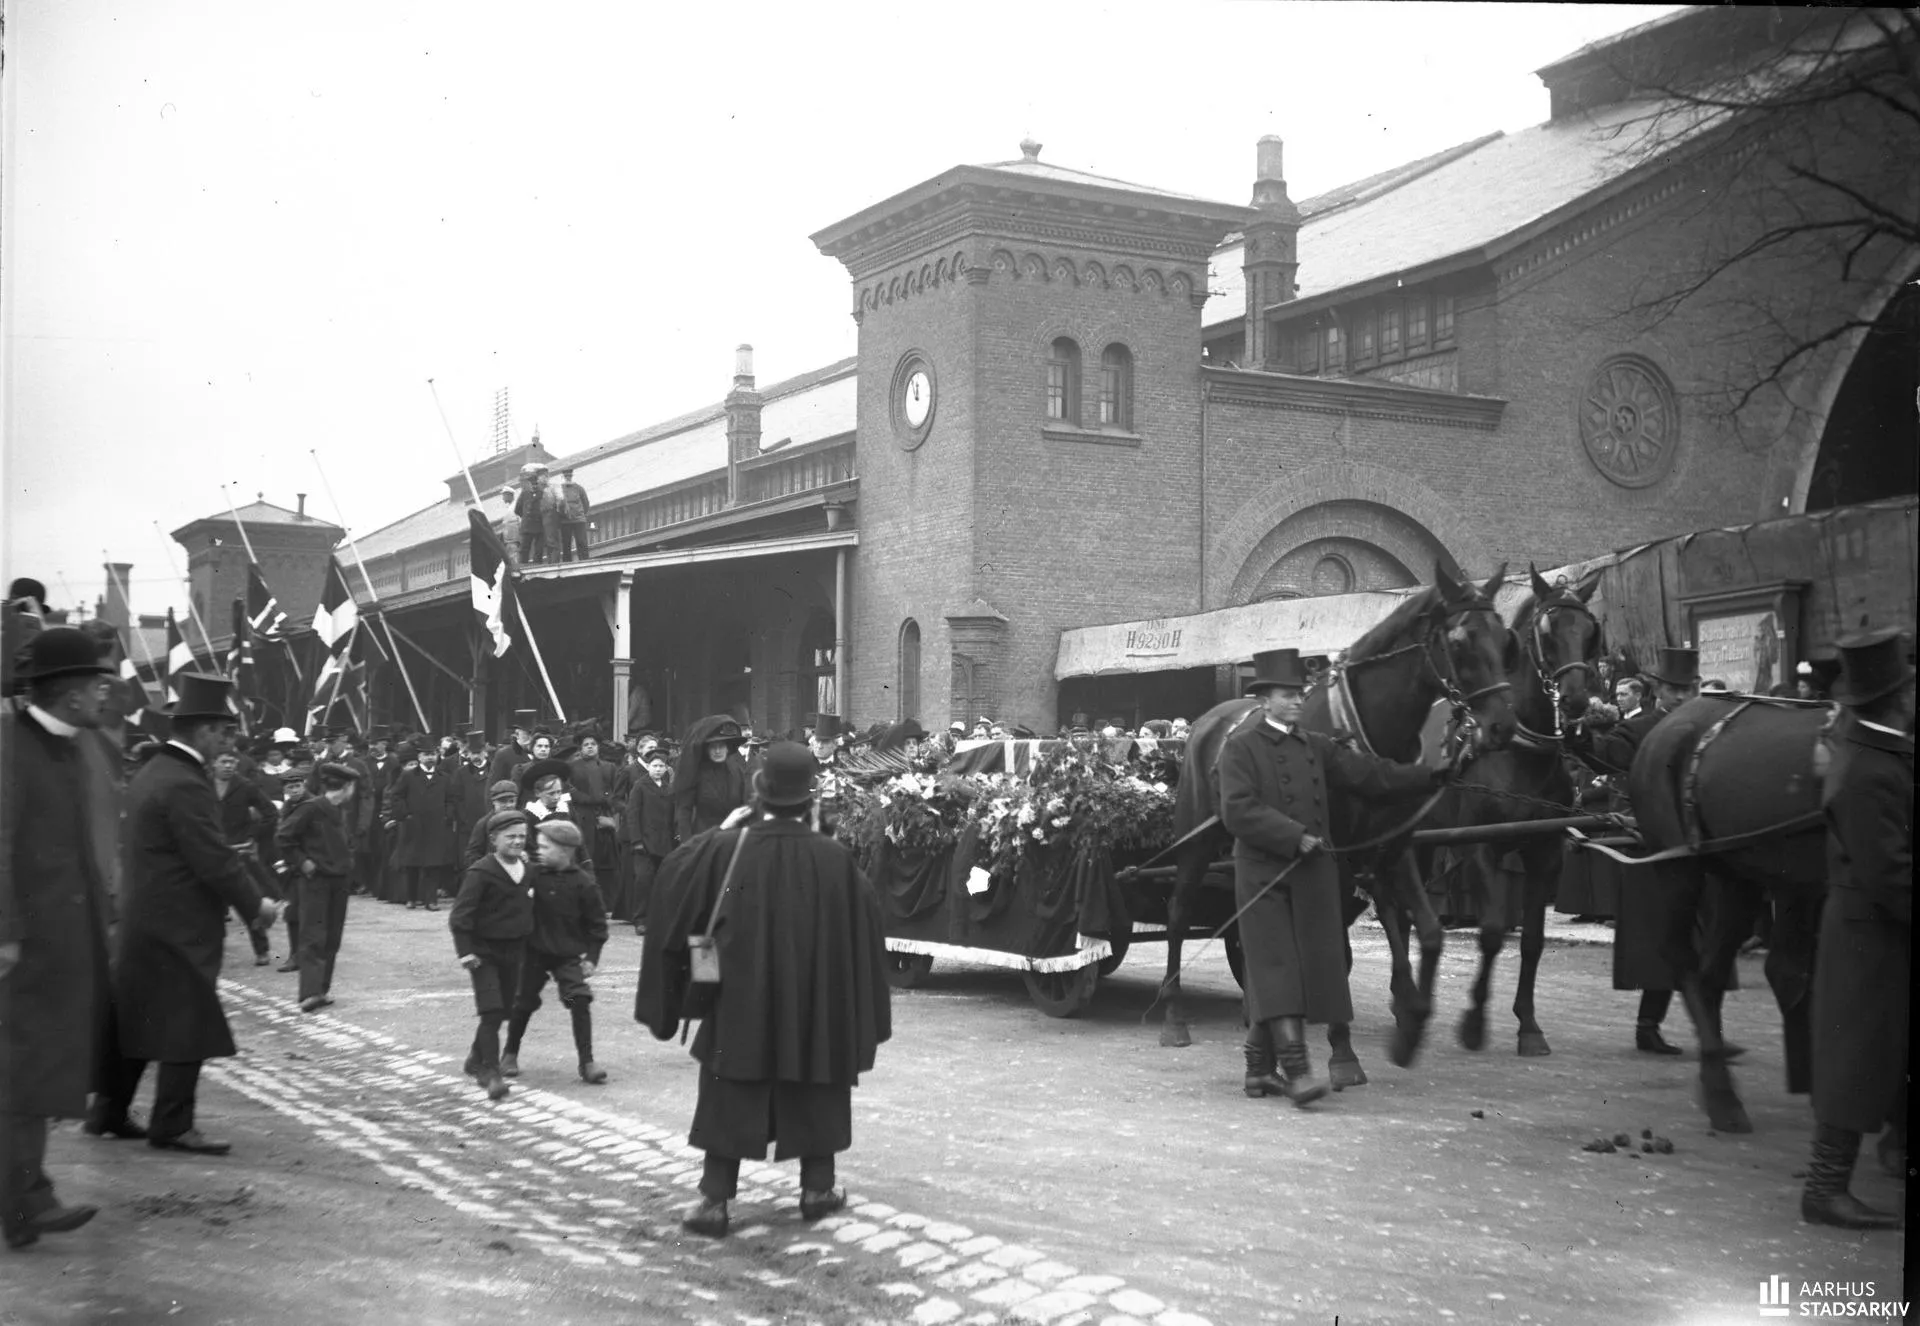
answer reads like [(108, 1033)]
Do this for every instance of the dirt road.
[(1007, 1166)]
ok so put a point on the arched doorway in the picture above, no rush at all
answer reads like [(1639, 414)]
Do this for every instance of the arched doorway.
[(1868, 448), (1337, 547)]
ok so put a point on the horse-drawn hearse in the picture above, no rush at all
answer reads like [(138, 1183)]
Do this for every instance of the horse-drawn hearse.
[(1724, 794)]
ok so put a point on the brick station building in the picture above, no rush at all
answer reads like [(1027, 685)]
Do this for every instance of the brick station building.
[(1078, 400)]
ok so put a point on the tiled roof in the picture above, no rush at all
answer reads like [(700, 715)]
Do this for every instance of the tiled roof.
[(1455, 202), (807, 408), (1033, 168)]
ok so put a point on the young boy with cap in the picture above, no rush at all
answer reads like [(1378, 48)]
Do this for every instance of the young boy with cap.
[(491, 919), (569, 930), (315, 842), (505, 795)]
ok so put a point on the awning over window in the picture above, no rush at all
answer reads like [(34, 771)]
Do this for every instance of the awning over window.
[(1323, 625)]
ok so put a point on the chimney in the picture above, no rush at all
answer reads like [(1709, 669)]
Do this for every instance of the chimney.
[(743, 421), (114, 608), (300, 500), (1270, 258)]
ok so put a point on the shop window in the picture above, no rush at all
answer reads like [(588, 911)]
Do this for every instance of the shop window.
[(1063, 381), (1116, 387)]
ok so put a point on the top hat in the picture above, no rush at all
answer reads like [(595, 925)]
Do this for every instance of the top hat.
[(786, 775), (64, 652), (380, 732), (201, 696), (829, 727), (525, 717), (476, 738), (1679, 666), (1277, 667), (1872, 664)]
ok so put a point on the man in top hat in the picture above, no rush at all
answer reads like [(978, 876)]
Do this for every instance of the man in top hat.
[(575, 513), (469, 777), (55, 1012), (517, 751), (802, 930), (1860, 977), (1275, 777), (1640, 925), (182, 877), (424, 810)]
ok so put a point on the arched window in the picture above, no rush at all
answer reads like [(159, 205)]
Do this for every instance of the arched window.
[(908, 687), (1116, 387), (1063, 381)]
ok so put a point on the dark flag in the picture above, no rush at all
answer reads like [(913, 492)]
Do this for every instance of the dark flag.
[(263, 609), (179, 657), (240, 654), (340, 676), (337, 615), (490, 579)]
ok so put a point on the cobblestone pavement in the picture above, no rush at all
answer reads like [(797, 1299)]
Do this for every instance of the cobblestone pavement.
[(595, 1189)]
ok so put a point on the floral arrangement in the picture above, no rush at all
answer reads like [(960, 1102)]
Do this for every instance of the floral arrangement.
[(1073, 798), (914, 812)]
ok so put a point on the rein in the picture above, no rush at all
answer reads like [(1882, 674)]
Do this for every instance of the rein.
[(1536, 643), (1340, 692)]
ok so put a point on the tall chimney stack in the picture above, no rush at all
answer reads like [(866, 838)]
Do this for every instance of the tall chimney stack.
[(1271, 257), (114, 608), (300, 500), (743, 419)]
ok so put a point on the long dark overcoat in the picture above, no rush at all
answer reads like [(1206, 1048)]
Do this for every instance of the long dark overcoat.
[(54, 903), (1860, 990), (1273, 790), (803, 998), (469, 794), (424, 807), (1646, 896), (649, 812), (181, 877), (592, 782)]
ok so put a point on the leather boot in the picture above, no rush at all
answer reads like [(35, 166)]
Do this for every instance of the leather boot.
[(1825, 1200), (1261, 1079), (1303, 1088), (1647, 1039)]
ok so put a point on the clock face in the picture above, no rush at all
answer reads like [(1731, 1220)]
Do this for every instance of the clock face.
[(916, 402)]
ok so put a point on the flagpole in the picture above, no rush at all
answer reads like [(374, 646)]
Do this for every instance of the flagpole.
[(526, 626), (373, 599), (346, 662), (254, 560), (213, 659), (240, 525)]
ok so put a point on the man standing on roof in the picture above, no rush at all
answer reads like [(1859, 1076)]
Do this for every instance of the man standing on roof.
[(527, 506), (550, 500), (575, 512)]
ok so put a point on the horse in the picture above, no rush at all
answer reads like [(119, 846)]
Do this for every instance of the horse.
[(1728, 786), (1561, 642), (1446, 641)]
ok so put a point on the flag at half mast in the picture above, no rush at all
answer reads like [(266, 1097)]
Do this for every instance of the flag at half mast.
[(337, 615), (263, 609), (490, 579), (179, 657)]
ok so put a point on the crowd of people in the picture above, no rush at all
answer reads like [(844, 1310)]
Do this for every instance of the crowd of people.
[(123, 867)]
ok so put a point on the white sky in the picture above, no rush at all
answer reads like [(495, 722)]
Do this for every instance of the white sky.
[(235, 232)]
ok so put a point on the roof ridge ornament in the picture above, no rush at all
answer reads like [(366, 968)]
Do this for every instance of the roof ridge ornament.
[(1030, 148)]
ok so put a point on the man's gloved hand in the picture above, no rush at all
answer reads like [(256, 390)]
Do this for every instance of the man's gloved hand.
[(470, 961), (1309, 844)]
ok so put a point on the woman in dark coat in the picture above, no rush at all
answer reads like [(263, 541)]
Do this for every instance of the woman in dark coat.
[(711, 780), (803, 999)]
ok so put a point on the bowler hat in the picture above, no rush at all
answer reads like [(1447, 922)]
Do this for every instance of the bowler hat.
[(338, 775), (1872, 664), (786, 775), (828, 727), (1277, 667), (201, 696), (63, 651), (1679, 666)]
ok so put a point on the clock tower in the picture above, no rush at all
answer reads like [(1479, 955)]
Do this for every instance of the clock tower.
[(1029, 391)]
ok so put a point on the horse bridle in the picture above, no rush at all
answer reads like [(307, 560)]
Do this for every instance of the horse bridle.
[(1461, 703), (1560, 601)]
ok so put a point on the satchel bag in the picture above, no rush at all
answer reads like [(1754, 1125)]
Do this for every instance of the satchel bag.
[(703, 954)]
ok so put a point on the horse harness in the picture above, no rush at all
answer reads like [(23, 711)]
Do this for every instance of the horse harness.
[(1346, 712), (1536, 647)]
